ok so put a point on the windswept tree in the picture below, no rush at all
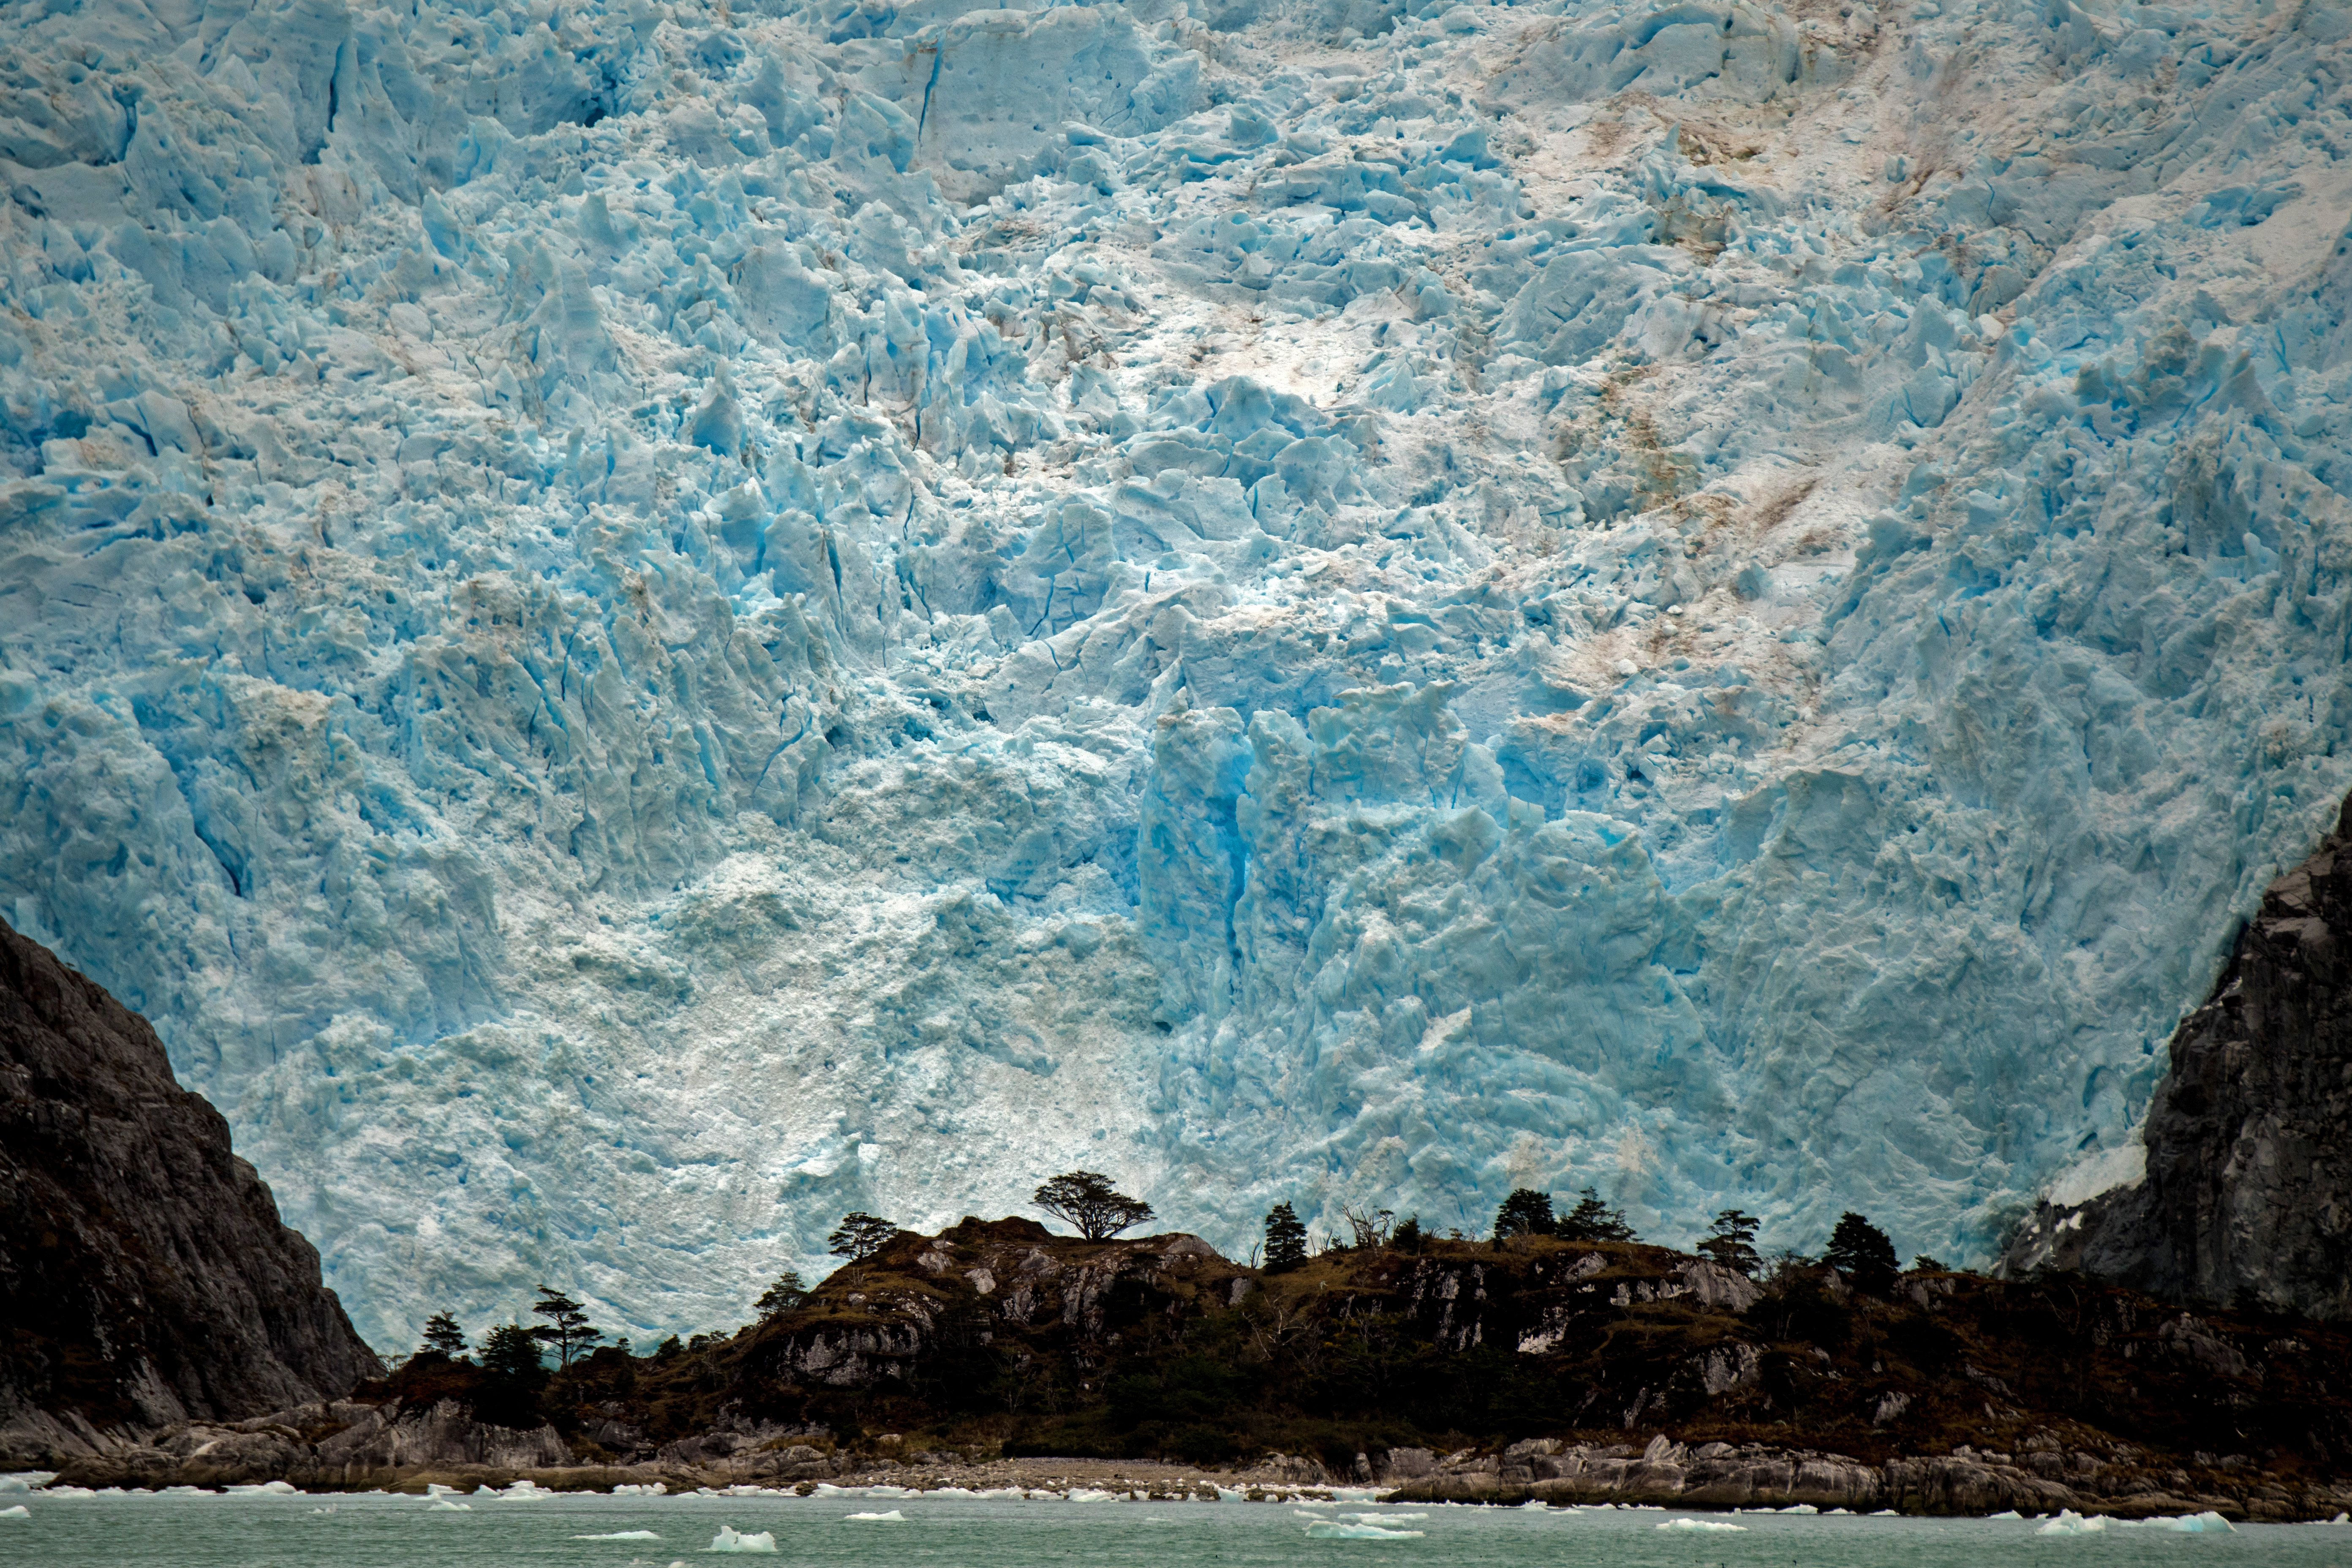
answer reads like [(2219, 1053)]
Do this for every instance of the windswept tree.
[(1592, 1220), (1085, 1199), (860, 1237), (567, 1327), (1732, 1241), (786, 1295), (442, 1337), (1860, 1251), (1285, 1239), (1526, 1212)]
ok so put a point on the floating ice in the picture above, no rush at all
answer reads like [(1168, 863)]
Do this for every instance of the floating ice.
[(893, 1514), (621, 1535), (606, 607), (1699, 1524), (263, 1489), (729, 1539), (445, 1505), (2206, 1524), (16, 1511), (648, 1488), (1333, 1529), (2069, 1523)]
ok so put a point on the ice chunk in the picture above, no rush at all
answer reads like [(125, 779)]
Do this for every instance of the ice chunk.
[(1335, 1530), (2069, 1523), (16, 1511), (1690, 1525), (893, 1514), (729, 1539), (621, 1535)]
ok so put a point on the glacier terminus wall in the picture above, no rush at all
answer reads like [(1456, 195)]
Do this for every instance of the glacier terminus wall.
[(637, 625)]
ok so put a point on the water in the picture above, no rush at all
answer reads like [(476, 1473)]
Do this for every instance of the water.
[(380, 1532)]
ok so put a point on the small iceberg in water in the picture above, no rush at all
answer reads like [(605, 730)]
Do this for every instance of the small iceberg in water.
[(621, 1535), (729, 1539), (1687, 1525), (1333, 1529), (2069, 1523), (19, 1512), (894, 1513)]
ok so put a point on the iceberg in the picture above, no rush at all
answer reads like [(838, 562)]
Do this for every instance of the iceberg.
[(1692, 1526), (634, 628), (729, 1539)]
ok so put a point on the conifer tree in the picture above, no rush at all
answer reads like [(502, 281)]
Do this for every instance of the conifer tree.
[(786, 1295), (1285, 1239), (1732, 1241), (442, 1337), (510, 1353), (860, 1237), (1524, 1213), (1860, 1251), (1592, 1220), (567, 1327)]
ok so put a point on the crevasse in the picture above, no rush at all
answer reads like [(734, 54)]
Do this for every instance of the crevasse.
[(635, 626)]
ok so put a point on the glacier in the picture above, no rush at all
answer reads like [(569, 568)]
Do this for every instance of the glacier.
[(637, 625)]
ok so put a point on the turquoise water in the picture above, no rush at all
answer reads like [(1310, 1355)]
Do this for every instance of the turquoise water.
[(376, 1531)]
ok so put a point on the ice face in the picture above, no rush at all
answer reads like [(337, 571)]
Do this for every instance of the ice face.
[(635, 626)]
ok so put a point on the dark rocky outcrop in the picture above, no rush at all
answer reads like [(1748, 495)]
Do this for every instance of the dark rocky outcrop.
[(2248, 1193), (145, 1280)]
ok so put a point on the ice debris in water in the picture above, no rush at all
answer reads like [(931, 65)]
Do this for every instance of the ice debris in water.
[(893, 1514), (16, 1511), (621, 1535), (1688, 1525), (729, 1539), (638, 625), (2069, 1523), (1333, 1529)]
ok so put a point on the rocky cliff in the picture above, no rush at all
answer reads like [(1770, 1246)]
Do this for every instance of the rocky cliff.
[(144, 1278), (1542, 1368), (2246, 1194)]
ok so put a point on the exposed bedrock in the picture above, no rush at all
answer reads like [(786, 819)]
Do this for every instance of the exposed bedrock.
[(144, 1278), (2246, 1192)]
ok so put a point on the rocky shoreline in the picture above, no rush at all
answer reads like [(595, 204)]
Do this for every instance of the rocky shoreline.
[(342, 1447)]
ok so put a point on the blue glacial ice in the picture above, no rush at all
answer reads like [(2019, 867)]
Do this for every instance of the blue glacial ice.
[(637, 625)]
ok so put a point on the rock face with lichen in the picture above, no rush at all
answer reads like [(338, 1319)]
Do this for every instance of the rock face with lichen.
[(146, 1280), (2246, 1192)]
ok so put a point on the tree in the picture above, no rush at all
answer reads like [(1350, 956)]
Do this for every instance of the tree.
[(1526, 1212), (1732, 1241), (1860, 1251), (1285, 1239), (1371, 1230), (567, 1327), (442, 1337), (1087, 1200), (1408, 1236), (861, 1235), (786, 1295), (1592, 1220), (511, 1354), (1923, 1264)]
